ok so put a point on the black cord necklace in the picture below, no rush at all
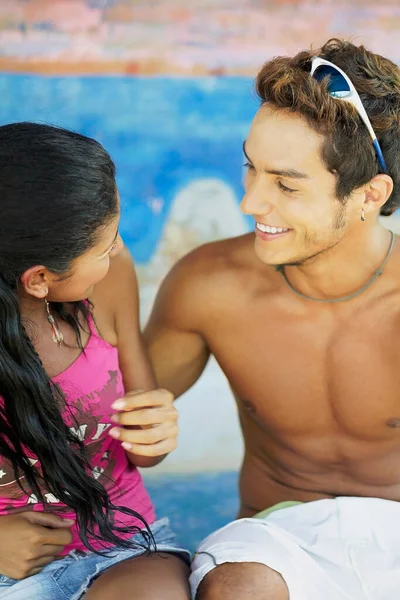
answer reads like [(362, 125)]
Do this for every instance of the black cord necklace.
[(377, 273)]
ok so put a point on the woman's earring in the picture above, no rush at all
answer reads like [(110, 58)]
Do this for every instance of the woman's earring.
[(58, 337), (362, 215)]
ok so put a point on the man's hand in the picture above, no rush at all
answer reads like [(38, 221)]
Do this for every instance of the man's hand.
[(31, 540), (147, 423)]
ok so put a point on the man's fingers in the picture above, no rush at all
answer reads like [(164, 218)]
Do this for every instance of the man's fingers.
[(34, 571), (47, 520), (37, 565), (56, 537), (43, 561), (50, 550)]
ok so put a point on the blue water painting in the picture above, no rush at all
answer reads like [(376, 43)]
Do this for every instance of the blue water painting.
[(161, 132)]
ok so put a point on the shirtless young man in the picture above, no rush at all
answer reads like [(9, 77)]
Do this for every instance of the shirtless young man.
[(308, 337)]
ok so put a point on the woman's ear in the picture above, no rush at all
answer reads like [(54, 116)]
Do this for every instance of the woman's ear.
[(35, 281)]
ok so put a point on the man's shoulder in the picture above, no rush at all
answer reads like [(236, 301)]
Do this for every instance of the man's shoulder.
[(215, 277), (223, 256), (221, 267)]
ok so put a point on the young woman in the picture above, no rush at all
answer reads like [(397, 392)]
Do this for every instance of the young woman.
[(79, 411)]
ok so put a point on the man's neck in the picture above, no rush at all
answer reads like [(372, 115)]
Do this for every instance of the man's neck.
[(345, 267)]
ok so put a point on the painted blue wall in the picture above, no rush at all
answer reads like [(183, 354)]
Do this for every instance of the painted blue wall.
[(161, 132)]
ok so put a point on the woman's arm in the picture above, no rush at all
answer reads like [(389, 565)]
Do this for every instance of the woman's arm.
[(149, 415)]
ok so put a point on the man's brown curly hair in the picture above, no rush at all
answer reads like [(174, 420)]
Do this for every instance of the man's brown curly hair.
[(285, 83)]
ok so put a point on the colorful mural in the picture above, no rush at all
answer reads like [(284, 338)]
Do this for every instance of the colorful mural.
[(166, 86), (200, 37)]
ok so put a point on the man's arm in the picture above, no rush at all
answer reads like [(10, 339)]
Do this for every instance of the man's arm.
[(177, 349)]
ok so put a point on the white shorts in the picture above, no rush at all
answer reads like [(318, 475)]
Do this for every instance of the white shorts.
[(340, 549)]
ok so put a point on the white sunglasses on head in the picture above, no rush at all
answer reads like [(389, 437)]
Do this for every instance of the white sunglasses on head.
[(340, 86)]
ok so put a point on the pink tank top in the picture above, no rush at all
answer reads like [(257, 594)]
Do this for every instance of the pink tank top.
[(91, 384)]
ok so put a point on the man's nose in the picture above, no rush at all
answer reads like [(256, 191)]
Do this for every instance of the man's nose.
[(256, 200)]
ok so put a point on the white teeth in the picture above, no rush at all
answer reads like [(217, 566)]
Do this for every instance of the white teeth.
[(268, 229)]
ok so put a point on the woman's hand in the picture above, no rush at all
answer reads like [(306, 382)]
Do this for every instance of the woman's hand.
[(146, 425)]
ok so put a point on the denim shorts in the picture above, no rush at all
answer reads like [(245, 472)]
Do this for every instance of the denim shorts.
[(70, 577)]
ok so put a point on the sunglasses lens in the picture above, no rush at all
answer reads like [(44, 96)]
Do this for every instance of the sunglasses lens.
[(337, 85)]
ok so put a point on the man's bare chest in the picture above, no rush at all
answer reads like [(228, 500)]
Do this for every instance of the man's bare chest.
[(299, 376)]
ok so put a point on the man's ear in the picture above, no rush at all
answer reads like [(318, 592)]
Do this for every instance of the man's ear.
[(377, 192)]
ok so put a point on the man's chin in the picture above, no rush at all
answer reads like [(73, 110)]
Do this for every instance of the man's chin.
[(277, 261), (269, 255)]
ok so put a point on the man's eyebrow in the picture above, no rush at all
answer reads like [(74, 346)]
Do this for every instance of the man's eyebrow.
[(291, 173)]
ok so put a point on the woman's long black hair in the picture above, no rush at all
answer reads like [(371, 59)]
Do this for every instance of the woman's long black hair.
[(57, 188)]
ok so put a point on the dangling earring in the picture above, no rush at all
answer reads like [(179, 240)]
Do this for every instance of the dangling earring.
[(58, 337), (362, 215)]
